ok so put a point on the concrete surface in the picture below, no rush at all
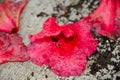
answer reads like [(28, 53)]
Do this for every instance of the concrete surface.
[(31, 23)]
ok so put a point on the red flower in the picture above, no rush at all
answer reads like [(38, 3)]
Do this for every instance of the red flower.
[(103, 19), (12, 48), (63, 48), (10, 14)]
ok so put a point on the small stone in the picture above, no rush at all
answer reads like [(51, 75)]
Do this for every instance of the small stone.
[(110, 67)]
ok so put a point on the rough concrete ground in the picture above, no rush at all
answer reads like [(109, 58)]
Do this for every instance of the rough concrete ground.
[(103, 65)]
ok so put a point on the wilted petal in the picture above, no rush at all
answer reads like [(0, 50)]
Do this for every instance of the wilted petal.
[(103, 18), (12, 48), (10, 11)]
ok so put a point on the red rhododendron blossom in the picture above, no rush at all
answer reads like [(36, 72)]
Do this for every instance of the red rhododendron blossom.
[(63, 48), (103, 18), (10, 11), (12, 48)]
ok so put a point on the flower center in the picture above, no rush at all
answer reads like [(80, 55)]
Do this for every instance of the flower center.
[(63, 44)]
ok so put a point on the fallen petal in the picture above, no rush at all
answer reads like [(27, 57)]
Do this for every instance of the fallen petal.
[(12, 48), (103, 18), (10, 11)]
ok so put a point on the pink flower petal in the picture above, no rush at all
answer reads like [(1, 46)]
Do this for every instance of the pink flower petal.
[(88, 43), (117, 18), (68, 32), (102, 19), (39, 54), (64, 66), (50, 28), (10, 11), (12, 48)]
